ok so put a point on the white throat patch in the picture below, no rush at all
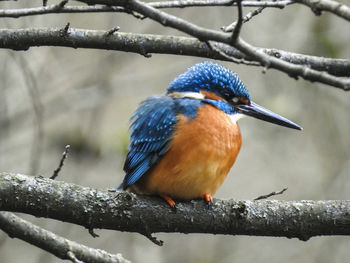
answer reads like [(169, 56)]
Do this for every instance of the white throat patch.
[(235, 117), (192, 95)]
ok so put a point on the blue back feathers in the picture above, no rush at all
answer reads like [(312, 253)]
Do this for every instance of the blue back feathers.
[(151, 132), (154, 121), (210, 77)]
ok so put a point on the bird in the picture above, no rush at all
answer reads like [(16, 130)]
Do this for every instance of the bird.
[(183, 143)]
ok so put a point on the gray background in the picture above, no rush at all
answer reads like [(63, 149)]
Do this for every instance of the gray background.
[(87, 97)]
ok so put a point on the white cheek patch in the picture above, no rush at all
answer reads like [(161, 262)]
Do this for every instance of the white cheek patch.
[(235, 117)]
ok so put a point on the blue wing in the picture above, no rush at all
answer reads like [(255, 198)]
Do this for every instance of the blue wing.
[(151, 131)]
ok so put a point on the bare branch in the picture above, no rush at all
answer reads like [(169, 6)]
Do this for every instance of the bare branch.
[(317, 6), (59, 9), (246, 18), (65, 30), (334, 7), (92, 233), (216, 48), (125, 211), (236, 31), (252, 52), (336, 66), (22, 39), (58, 169), (292, 70), (62, 248), (112, 31), (249, 52), (270, 194), (193, 3), (172, 21)]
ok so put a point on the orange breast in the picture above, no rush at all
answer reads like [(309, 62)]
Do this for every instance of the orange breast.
[(201, 154)]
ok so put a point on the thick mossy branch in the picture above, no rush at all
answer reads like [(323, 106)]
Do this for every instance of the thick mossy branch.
[(124, 211)]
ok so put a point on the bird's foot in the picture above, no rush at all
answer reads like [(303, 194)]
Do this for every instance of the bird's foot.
[(169, 200), (208, 199)]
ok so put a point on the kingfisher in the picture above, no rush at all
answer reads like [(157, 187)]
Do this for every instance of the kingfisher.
[(184, 143)]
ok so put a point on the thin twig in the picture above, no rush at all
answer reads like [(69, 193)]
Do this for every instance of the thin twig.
[(238, 26), (153, 239), (271, 194), (58, 169), (92, 232), (64, 31), (112, 31), (246, 18), (62, 4)]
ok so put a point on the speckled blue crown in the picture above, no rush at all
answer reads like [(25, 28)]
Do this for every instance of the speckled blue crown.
[(212, 77)]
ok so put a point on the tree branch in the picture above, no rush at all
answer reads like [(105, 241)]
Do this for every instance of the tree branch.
[(316, 6), (61, 7), (125, 211), (338, 67), (203, 34), (226, 55), (247, 51), (144, 44), (334, 7), (246, 18), (193, 3), (63, 158), (62, 248), (237, 29), (292, 70), (58, 9)]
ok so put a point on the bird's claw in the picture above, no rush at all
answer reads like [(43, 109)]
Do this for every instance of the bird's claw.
[(170, 201), (209, 200)]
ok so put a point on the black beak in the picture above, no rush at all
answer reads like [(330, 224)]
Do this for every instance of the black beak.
[(256, 111)]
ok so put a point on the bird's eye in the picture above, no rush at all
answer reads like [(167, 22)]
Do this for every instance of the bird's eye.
[(235, 100)]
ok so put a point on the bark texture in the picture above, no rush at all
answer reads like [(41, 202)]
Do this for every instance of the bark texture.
[(125, 211), (61, 247)]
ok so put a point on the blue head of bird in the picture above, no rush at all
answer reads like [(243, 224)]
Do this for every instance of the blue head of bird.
[(223, 89)]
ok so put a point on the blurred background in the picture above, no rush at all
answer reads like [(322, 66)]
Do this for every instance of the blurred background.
[(51, 97)]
